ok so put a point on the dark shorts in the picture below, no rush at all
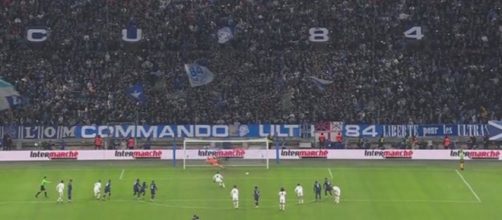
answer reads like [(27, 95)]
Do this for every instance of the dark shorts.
[(108, 191), (256, 198), (42, 188)]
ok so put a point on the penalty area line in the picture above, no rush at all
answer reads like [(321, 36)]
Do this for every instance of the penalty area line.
[(330, 173), (122, 174), (468, 186)]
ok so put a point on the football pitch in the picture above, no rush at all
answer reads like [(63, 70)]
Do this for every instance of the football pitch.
[(385, 190)]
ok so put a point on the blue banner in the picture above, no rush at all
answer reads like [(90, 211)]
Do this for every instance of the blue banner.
[(157, 131), (243, 130), (438, 130)]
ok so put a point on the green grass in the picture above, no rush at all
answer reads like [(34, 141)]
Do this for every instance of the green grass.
[(384, 190)]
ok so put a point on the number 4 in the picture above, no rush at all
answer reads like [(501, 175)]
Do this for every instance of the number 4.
[(370, 131), (414, 32)]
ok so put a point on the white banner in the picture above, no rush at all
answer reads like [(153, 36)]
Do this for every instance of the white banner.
[(226, 153), (285, 154), (304, 153), (85, 155)]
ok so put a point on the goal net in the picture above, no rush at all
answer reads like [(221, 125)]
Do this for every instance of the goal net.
[(227, 152)]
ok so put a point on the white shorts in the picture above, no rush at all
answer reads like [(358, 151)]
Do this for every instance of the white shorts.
[(219, 181), (282, 201), (235, 198), (96, 191), (60, 194), (299, 194)]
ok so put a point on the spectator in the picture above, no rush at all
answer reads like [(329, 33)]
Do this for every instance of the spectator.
[(322, 141), (339, 138), (271, 141), (98, 142), (472, 142), (148, 144), (47, 145), (366, 143), (131, 143), (62, 144), (413, 142), (123, 144), (113, 144), (404, 144), (446, 142), (360, 142), (4, 141), (9, 144), (486, 142), (381, 142)]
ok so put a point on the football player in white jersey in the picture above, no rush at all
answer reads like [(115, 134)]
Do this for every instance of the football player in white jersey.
[(60, 190), (337, 192), (299, 193), (282, 199), (97, 189), (235, 196), (218, 179)]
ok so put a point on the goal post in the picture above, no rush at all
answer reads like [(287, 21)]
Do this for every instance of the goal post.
[(229, 151)]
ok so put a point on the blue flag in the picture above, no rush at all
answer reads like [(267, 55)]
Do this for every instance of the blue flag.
[(225, 34), (137, 93), (9, 97), (198, 75), (495, 130), (320, 83)]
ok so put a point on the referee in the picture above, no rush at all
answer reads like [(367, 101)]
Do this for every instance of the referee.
[(461, 154), (43, 187)]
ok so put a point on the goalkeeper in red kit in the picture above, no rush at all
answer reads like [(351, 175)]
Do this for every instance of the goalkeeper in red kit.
[(213, 161)]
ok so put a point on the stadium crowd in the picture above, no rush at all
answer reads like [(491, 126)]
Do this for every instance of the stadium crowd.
[(80, 75)]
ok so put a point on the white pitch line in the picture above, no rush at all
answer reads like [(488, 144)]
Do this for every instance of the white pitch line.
[(408, 201), (166, 203), (468, 186), (330, 173), (122, 174), (24, 202)]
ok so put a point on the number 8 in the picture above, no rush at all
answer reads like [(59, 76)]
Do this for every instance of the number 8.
[(318, 34), (352, 130)]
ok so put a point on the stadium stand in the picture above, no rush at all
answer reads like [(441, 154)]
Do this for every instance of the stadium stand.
[(80, 74)]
